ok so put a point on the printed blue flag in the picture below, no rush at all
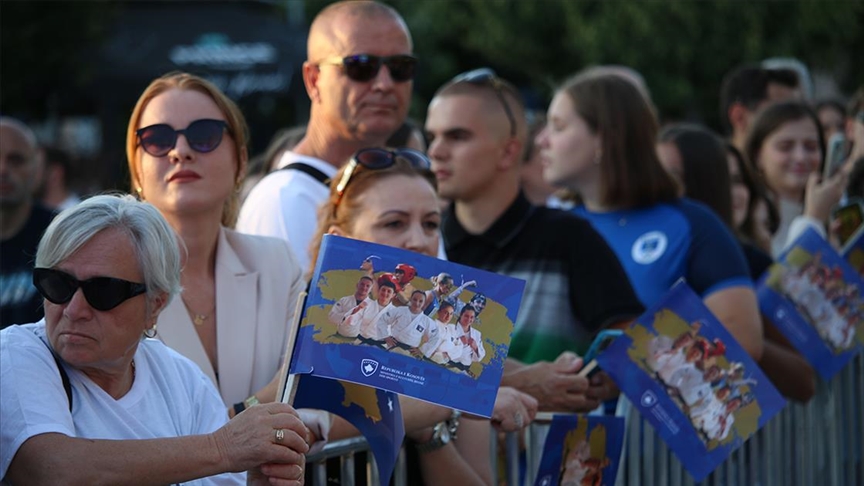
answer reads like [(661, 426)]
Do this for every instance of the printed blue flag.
[(581, 449), (408, 323), (813, 296), (375, 413), (691, 380)]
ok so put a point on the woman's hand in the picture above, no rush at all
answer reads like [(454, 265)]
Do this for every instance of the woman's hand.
[(513, 409), (264, 434), (821, 196)]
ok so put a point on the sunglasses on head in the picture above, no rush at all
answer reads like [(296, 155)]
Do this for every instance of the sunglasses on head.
[(365, 67), (102, 293), (202, 136), (487, 77), (377, 159)]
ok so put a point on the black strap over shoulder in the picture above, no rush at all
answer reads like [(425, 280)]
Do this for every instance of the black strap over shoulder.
[(308, 170), (63, 375)]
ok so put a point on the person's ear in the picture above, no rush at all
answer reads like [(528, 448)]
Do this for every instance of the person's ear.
[(335, 230), (311, 74), (738, 117), (511, 153), (157, 305)]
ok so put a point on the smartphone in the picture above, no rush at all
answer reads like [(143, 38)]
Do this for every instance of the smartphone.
[(835, 156), (850, 217), (602, 341)]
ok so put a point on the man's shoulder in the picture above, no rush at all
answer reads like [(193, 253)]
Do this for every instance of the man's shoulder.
[(555, 222)]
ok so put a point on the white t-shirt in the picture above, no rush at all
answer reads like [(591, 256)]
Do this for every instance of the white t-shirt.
[(170, 397), (285, 204)]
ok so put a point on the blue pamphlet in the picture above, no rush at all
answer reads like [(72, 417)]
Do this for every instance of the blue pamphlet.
[(691, 380), (813, 296), (581, 449), (408, 323)]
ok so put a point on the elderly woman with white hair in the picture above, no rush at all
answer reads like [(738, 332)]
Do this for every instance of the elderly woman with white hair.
[(86, 398)]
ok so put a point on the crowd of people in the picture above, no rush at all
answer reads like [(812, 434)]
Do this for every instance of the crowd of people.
[(165, 367)]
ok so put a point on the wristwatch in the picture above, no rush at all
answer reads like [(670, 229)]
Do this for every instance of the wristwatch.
[(251, 401), (443, 433)]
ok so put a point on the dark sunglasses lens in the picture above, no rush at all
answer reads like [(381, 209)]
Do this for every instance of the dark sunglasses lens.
[(402, 68), (105, 293), (157, 140), (374, 158), (204, 135), (53, 285), (362, 68)]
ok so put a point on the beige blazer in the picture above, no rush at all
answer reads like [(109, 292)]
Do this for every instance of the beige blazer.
[(257, 283)]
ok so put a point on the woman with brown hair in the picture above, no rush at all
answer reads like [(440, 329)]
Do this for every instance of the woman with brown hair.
[(600, 142), (786, 145)]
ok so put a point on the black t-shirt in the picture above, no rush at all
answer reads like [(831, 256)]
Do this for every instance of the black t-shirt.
[(20, 303), (575, 284), (758, 260)]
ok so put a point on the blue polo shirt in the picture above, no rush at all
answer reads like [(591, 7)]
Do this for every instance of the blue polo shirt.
[(660, 244)]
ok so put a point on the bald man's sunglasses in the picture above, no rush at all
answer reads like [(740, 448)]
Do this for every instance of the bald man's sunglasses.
[(377, 159), (102, 293), (487, 77), (364, 67)]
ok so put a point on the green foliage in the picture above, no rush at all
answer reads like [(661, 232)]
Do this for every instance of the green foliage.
[(682, 48)]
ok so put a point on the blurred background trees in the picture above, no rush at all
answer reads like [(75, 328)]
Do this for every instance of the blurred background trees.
[(55, 57)]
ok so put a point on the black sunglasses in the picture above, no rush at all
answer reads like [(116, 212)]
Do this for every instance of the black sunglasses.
[(377, 159), (102, 293), (487, 77), (365, 67), (202, 135)]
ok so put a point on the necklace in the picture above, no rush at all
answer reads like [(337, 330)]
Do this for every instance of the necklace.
[(198, 319)]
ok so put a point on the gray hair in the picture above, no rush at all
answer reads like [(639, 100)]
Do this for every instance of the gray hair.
[(155, 243)]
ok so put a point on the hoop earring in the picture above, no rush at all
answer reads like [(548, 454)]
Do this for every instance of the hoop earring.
[(150, 333)]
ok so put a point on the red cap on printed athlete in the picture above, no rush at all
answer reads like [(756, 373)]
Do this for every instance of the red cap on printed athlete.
[(408, 272), (389, 280)]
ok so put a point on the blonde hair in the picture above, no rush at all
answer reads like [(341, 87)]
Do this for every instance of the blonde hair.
[(237, 129)]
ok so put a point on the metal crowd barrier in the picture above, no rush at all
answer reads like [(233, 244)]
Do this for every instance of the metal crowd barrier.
[(821, 443)]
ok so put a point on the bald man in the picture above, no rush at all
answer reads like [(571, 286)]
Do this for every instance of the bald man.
[(22, 222), (358, 76)]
